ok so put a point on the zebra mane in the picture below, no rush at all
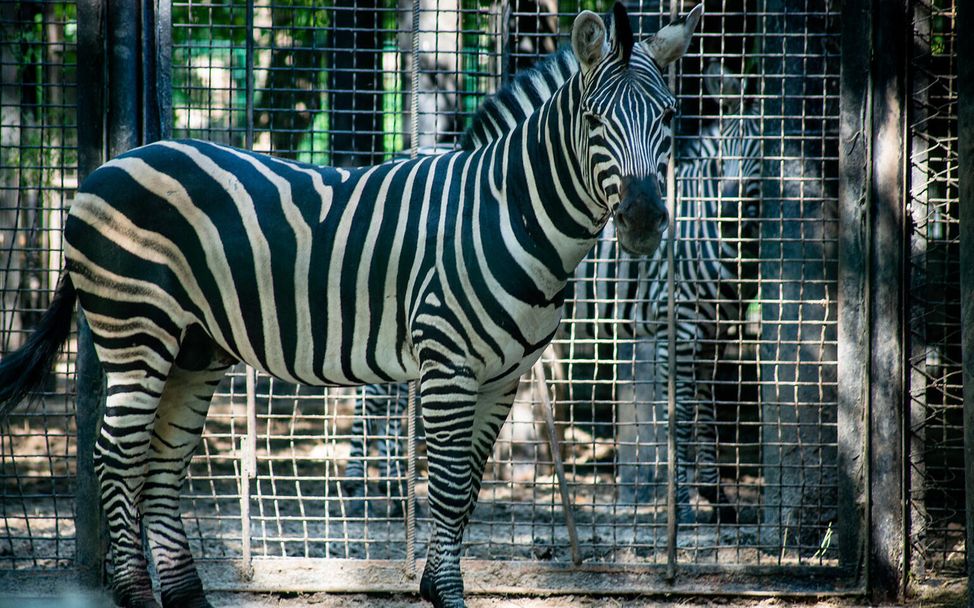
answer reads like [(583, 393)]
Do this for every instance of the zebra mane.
[(515, 101)]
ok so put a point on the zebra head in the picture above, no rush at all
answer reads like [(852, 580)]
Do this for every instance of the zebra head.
[(623, 122), (734, 141)]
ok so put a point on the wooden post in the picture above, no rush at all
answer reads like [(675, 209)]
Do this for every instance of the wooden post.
[(887, 271), (89, 553), (965, 170), (855, 136)]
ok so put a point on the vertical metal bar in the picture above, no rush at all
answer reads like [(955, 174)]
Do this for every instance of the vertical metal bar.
[(248, 469), (123, 76), (411, 480), (555, 447), (887, 269), (414, 84), (149, 105), (965, 175), (411, 401), (671, 506), (855, 139), (89, 545), (163, 75), (249, 93)]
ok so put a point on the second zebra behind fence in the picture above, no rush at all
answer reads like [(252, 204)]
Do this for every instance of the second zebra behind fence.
[(620, 295)]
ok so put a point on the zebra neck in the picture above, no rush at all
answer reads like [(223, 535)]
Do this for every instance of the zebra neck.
[(538, 167)]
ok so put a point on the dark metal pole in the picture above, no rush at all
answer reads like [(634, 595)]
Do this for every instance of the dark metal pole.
[(123, 74), (249, 137), (89, 554), (887, 395), (163, 73), (965, 170), (855, 138)]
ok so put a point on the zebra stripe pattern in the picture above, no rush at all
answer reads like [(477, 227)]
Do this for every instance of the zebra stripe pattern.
[(187, 256)]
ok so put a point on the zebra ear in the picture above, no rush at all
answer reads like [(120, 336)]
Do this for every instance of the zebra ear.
[(622, 40), (671, 42), (723, 86), (588, 40)]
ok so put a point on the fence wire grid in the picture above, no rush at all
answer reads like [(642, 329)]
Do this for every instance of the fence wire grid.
[(935, 384), (332, 83), (38, 176)]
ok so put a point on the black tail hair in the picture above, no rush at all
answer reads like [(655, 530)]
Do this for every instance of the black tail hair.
[(23, 371)]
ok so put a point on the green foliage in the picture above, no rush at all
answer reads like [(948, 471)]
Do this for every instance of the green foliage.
[(290, 75)]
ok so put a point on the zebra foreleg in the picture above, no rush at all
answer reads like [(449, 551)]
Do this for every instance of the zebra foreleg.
[(491, 412), (708, 471), (449, 404), (176, 434)]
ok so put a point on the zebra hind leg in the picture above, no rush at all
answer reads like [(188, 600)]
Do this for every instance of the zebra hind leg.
[(176, 434), (121, 455), (391, 455), (353, 485)]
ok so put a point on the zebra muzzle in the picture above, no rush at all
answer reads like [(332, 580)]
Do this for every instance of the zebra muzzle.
[(641, 218)]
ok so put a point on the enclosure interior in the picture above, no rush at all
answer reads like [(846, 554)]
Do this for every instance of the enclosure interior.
[(333, 83)]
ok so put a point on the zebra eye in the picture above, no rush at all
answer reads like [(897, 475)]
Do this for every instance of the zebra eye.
[(668, 114), (592, 120)]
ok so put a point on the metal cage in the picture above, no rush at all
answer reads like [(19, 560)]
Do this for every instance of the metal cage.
[(267, 504)]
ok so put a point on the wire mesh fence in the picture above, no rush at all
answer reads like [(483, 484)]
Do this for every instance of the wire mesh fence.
[(326, 470), (38, 174), (333, 85), (936, 400)]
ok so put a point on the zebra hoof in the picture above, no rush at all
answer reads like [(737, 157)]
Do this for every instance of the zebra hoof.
[(726, 515), (135, 602), (354, 499), (429, 592), (194, 599)]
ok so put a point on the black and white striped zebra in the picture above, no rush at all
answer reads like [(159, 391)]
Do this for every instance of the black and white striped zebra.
[(620, 295), (186, 256)]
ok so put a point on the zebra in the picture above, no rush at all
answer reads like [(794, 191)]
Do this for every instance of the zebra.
[(719, 187), (185, 257)]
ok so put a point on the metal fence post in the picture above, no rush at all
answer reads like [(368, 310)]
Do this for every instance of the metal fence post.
[(89, 553), (965, 174)]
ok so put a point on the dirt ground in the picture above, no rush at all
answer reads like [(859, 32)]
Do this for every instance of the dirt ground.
[(946, 593), (373, 601), (247, 600), (951, 596)]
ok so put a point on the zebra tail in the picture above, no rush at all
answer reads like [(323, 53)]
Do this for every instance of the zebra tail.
[(23, 371)]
